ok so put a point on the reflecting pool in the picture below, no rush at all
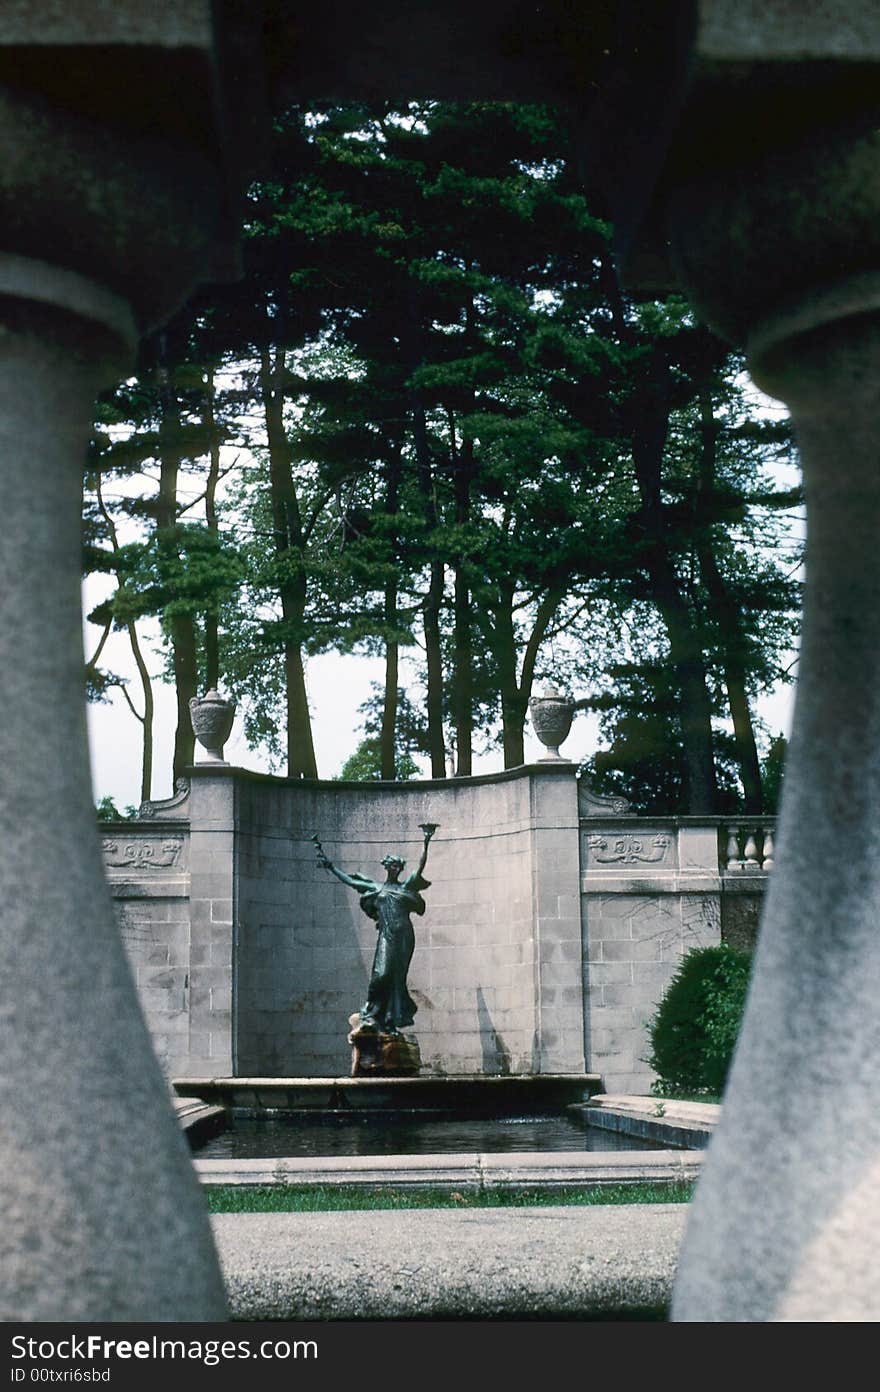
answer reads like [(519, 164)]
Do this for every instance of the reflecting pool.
[(269, 1135)]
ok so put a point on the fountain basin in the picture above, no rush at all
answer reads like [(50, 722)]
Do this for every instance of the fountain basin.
[(463, 1094)]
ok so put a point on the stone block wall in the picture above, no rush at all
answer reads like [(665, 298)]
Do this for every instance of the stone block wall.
[(496, 970), (147, 866), (741, 915), (554, 922), (651, 891)]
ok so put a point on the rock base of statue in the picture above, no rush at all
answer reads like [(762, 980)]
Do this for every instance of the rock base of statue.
[(378, 1055)]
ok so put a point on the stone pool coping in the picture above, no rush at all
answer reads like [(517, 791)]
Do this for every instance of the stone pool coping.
[(495, 1092), (199, 1120), (515, 1169), (687, 1124), (566, 1262)]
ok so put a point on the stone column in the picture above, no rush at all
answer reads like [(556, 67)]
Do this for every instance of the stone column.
[(114, 201), (102, 1215), (559, 1008), (783, 254), (212, 921)]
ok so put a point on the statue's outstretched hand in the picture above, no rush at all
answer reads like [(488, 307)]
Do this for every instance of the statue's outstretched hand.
[(323, 859)]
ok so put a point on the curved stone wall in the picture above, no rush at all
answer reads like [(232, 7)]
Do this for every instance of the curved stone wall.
[(497, 967)]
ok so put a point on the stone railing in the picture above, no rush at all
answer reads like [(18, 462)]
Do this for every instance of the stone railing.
[(715, 846), (747, 845)]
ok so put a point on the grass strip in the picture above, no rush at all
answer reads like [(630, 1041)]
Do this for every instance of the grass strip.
[(321, 1198), (713, 1097)]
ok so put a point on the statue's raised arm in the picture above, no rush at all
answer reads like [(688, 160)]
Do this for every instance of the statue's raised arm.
[(428, 828), (327, 864)]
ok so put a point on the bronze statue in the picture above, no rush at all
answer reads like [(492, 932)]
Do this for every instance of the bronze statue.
[(389, 1007)]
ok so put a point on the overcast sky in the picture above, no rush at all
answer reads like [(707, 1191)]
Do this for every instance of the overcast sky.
[(337, 687)]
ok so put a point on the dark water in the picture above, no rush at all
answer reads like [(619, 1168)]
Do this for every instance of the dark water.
[(255, 1137)]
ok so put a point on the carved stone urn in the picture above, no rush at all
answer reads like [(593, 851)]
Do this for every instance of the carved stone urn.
[(212, 716), (552, 715)]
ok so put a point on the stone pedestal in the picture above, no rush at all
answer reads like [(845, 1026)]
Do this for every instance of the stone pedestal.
[(375, 1054)]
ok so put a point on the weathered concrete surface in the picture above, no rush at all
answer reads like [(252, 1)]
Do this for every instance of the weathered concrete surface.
[(778, 240), (811, 1250), (198, 1120), (101, 1216), (521, 1263), (220, 901), (704, 1114), (147, 868), (651, 890), (496, 1095)]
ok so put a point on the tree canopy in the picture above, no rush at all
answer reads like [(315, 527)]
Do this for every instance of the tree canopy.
[(454, 437)]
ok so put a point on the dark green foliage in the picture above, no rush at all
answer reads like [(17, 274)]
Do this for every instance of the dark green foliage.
[(643, 760), (365, 763), (772, 771), (107, 811), (694, 1032)]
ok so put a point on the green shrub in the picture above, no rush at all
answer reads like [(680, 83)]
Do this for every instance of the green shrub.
[(694, 1031)]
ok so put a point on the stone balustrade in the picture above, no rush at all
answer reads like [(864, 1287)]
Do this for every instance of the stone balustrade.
[(748, 845)]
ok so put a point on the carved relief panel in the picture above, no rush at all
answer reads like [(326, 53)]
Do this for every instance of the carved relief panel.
[(629, 850), (144, 853)]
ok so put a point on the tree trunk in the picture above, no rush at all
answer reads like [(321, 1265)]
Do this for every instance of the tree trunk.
[(462, 641), (186, 680), (388, 733), (212, 643), (464, 468), (181, 626), (515, 692), (512, 710), (292, 587), (300, 750), (434, 660), (686, 652), (685, 641), (433, 601), (147, 718), (729, 620)]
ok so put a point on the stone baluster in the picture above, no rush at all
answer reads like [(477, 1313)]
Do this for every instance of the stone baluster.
[(778, 244), (750, 851), (733, 861), (107, 226), (768, 849)]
